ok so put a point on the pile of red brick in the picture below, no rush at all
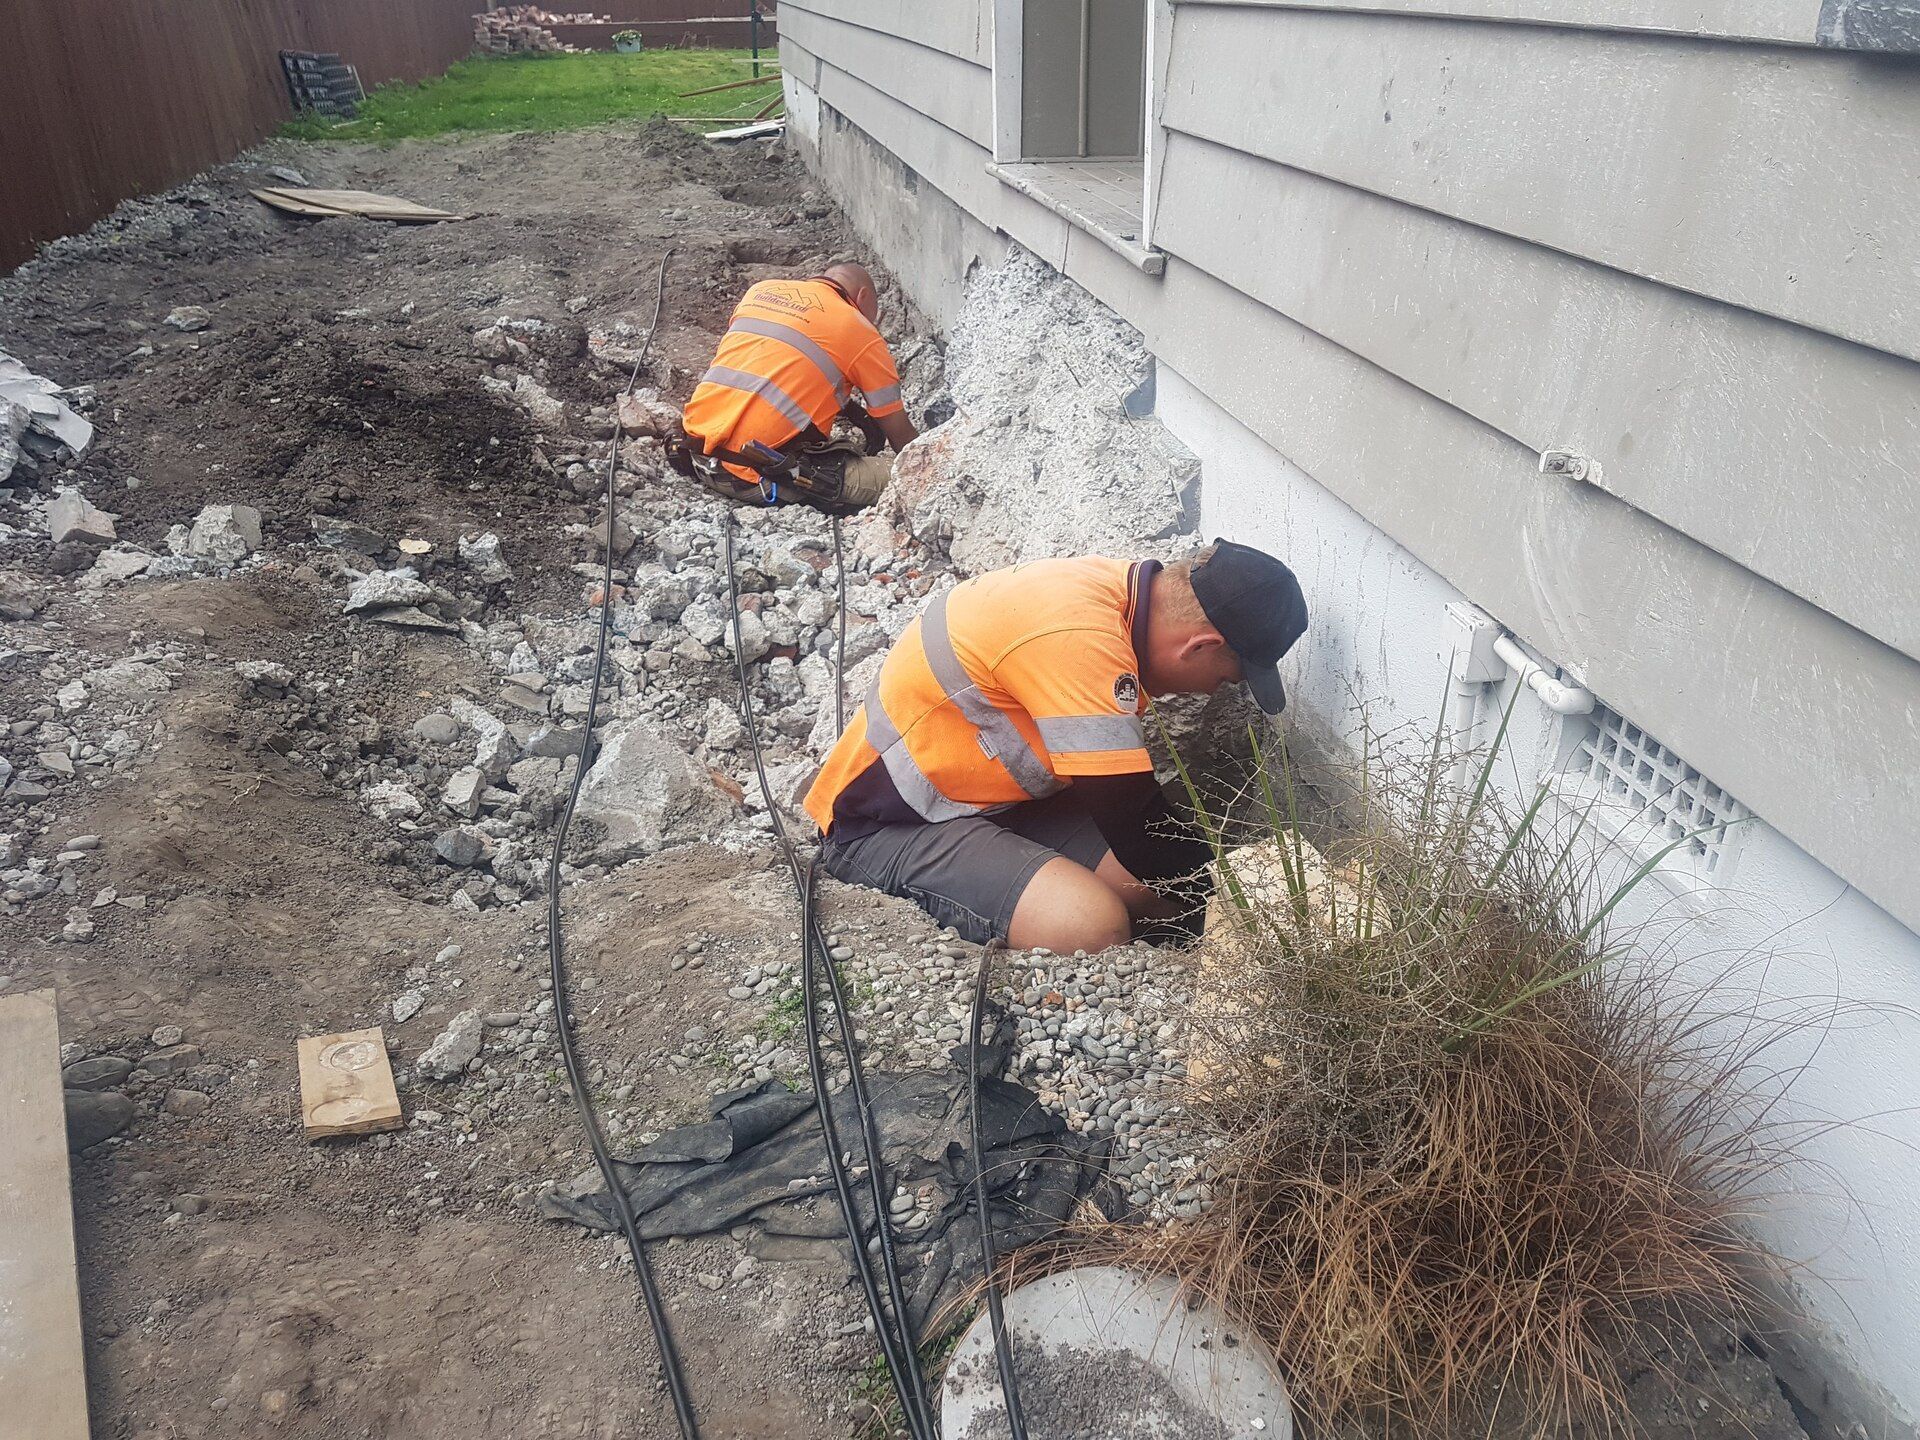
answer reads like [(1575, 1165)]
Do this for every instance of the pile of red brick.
[(522, 30)]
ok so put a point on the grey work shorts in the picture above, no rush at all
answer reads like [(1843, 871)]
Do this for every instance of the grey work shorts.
[(969, 873)]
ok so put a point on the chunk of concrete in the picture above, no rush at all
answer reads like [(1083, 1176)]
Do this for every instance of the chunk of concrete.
[(71, 516), (390, 800), (338, 534), (645, 793), (463, 792), (225, 534), (112, 566), (461, 847), (481, 555), (385, 589), (20, 598), (454, 1048)]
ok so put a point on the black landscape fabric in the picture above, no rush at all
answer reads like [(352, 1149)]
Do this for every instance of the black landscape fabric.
[(761, 1158)]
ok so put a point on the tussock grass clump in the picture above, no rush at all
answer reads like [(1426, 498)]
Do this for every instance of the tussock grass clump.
[(1465, 1142)]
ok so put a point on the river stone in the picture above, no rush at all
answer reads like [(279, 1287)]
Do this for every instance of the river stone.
[(93, 1115), (98, 1073)]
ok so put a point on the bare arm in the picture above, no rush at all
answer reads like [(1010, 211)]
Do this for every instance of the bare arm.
[(897, 428)]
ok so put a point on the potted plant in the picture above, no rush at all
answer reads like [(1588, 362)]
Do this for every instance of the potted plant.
[(628, 42)]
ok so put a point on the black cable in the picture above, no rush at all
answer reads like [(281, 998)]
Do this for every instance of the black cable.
[(996, 1316), (901, 1350), (840, 644), (890, 1343), (562, 1021)]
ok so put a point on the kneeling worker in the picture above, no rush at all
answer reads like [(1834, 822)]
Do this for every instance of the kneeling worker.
[(763, 413), (997, 773)]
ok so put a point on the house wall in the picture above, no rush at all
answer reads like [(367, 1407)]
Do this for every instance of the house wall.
[(1410, 244), (1783, 934)]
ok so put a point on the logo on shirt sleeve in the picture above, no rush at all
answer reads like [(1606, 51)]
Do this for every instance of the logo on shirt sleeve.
[(1126, 692)]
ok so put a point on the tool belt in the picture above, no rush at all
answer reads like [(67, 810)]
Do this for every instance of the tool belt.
[(811, 471)]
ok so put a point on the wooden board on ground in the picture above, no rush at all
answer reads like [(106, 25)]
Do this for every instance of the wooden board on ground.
[(374, 206), (749, 132), (346, 1084), (43, 1382)]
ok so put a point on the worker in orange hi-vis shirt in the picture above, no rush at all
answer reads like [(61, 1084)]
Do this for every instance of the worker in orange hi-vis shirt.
[(997, 773), (792, 357)]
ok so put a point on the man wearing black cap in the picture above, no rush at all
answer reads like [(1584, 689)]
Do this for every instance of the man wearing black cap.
[(997, 773)]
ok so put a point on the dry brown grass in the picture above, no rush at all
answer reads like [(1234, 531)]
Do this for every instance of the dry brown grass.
[(1464, 1140)]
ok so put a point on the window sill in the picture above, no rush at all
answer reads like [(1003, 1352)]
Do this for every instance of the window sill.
[(1100, 197)]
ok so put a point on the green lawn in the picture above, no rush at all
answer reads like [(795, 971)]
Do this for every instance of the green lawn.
[(549, 92)]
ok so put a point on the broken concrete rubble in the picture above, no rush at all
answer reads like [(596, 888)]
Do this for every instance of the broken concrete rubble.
[(221, 534), (463, 791), (387, 589), (115, 565), (339, 534), (644, 793), (454, 1048), (1008, 479), (20, 598), (40, 429), (461, 846), (390, 800), (643, 412), (481, 555), (72, 517)]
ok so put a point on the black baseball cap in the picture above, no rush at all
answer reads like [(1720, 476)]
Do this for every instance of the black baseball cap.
[(1255, 603)]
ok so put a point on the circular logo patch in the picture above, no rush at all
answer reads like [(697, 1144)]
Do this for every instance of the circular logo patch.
[(1126, 692)]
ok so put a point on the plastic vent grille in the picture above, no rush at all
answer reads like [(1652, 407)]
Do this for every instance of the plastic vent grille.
[(1667, 795)]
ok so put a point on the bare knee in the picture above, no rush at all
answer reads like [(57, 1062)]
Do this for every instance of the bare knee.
[(1065, 908), (1143, 902)]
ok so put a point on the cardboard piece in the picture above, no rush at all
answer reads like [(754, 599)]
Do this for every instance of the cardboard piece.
[(346, 1084), (320, 203)]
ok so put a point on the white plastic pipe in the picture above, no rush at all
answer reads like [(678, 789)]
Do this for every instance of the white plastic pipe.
[(1556, 695)]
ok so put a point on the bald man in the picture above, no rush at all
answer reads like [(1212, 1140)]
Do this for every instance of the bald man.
[(793, 356)]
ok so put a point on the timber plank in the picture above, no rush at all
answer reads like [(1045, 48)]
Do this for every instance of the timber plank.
[(43, 1384), (346, 1084)]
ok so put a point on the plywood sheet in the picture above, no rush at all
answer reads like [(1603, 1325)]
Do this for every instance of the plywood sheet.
[(351, 202), (43, 1384), (346, 1084)]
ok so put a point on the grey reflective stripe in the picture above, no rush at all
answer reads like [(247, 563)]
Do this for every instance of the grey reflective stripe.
[(907, 776), (885, 395), (787, 335), (759, 385), (1002, 738), (1085, 734)]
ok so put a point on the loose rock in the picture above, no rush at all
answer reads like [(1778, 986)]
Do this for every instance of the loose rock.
[(454, 1048), (93, 1116)]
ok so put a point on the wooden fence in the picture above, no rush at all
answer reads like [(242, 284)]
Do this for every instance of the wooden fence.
[(102, 99)]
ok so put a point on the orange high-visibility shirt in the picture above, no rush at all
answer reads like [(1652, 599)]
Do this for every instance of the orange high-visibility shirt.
[(794, 350), (1003, 690)]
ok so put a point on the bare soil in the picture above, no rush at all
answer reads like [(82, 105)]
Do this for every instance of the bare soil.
[(237, 1280)]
